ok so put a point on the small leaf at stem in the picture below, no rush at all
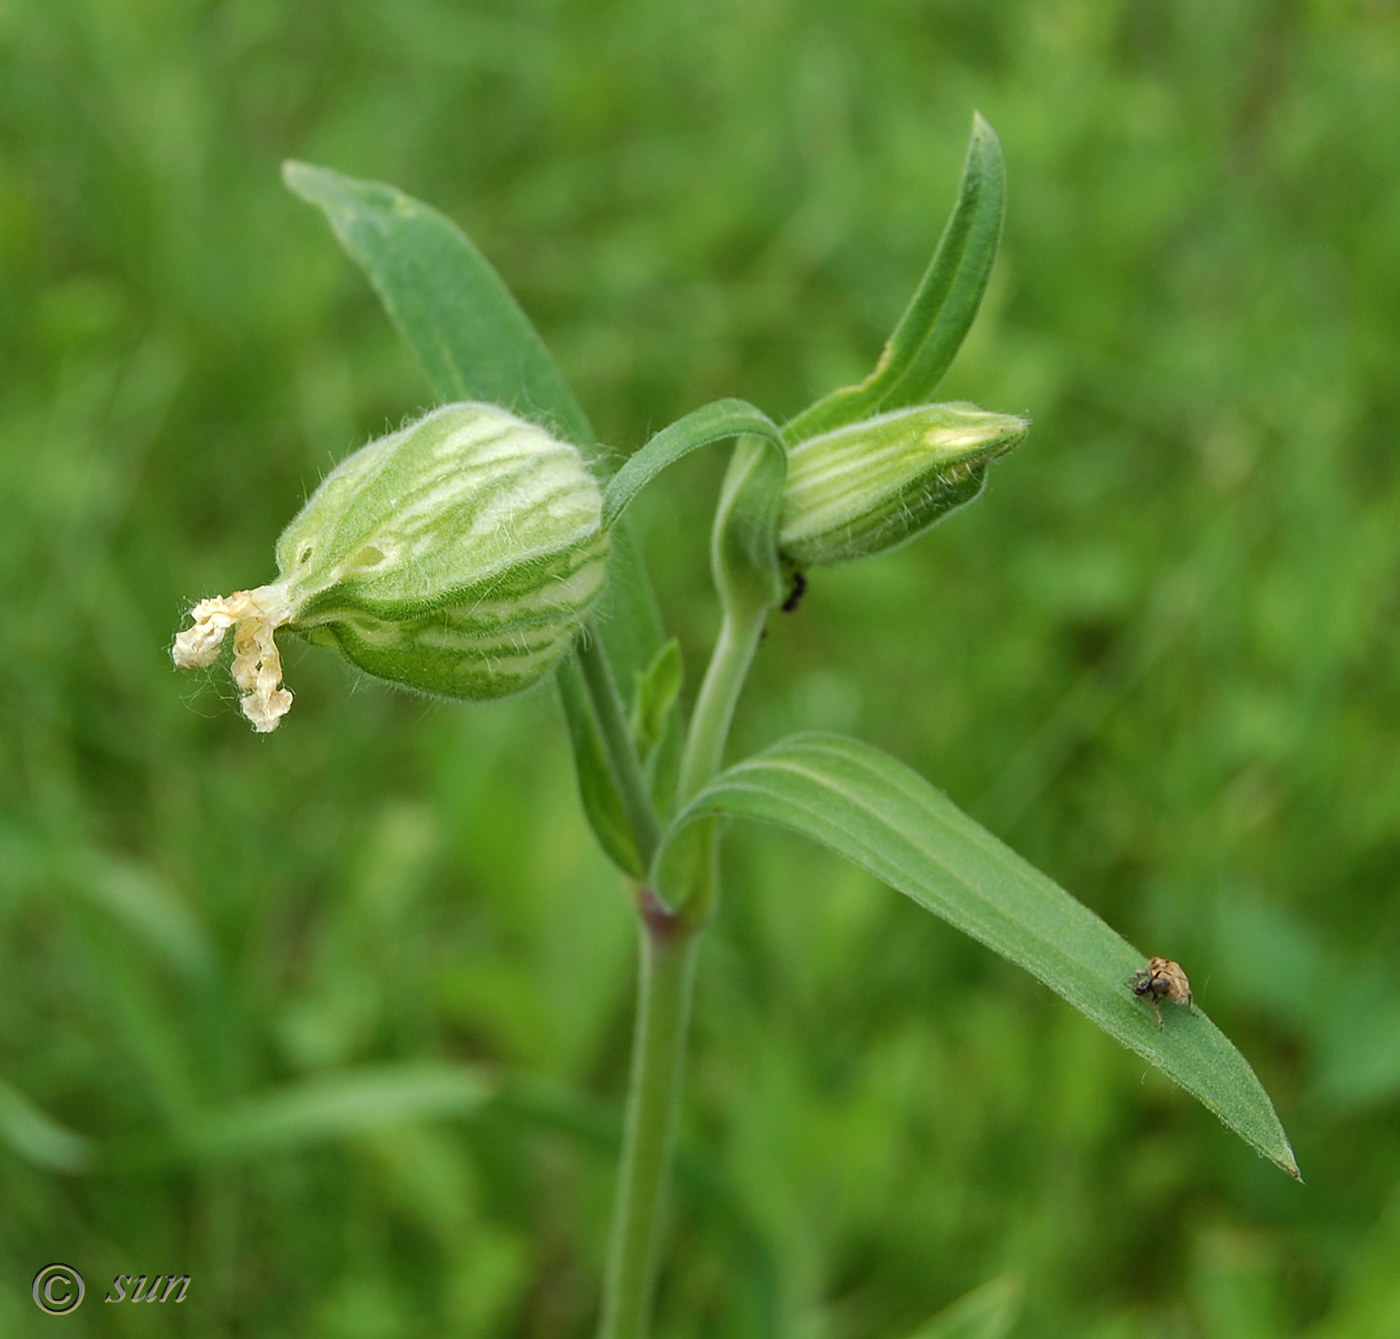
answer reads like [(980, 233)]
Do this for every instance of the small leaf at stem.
[(873, 810), (655, 699), (598, 789)]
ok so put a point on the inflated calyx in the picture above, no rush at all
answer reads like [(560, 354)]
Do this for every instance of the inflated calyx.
[(872, 485), (458, 557)]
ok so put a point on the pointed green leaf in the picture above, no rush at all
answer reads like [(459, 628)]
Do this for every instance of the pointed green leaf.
[(598, 789), (655, 698), (710, 423), (38, 1138), (450, 305), (873, 810), (626, 773), (334, 1106), (987, 1312), (659, 724), (942, 310), (137, 898)]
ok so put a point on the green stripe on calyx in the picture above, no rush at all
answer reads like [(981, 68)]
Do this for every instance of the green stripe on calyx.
[(873, 485), (458, 556)]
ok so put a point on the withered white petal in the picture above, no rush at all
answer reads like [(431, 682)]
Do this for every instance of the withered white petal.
[(257, 667)]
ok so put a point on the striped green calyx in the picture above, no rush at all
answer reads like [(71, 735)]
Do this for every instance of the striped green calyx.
[(872, 485), (457, 556)]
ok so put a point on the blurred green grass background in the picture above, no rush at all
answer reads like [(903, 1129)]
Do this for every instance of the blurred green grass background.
[(1158, 658)]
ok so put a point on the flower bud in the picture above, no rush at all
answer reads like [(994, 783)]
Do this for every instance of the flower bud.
[(874, 484), (457, 557)]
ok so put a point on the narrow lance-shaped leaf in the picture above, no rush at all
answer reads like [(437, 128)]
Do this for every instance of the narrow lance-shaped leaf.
[(598, 788), (38, 1138), (134, 896), (450, 305), (339, 1105), (658, 726), (942, 310), (654, 703), (873, 810), (987, 1312)]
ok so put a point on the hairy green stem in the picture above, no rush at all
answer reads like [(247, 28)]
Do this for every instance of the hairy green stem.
[(719, 694), (617, 740), (668, 943), (658, 1058)]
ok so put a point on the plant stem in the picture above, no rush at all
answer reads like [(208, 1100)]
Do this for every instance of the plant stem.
[(617, 740), (668, 943), (714, 708), (669, 936), (658, 1059)]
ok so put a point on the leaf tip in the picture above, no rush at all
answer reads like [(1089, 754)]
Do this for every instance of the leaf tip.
[(294, 174), (982, 132), (1285, 1161), (316, 185)]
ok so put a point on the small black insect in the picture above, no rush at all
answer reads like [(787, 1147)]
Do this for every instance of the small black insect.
[(799, 589)]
